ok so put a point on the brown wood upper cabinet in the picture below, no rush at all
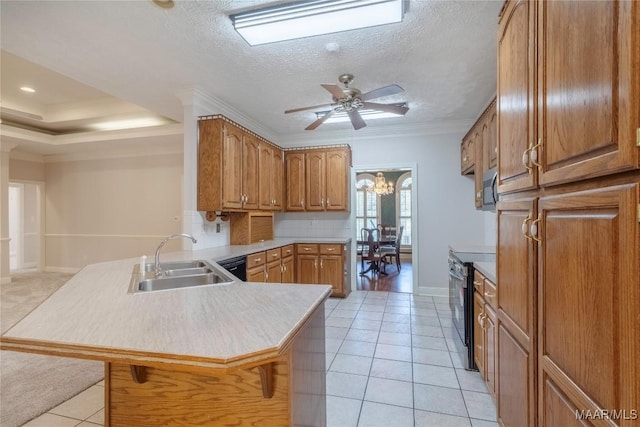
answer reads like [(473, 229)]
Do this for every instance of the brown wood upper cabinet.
[(229, 168), (467, 155), (479, 149), (318, 179), (566, 120), (271, 177)]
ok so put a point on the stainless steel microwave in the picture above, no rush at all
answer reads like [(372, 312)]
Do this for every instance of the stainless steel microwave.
[(490, 190)]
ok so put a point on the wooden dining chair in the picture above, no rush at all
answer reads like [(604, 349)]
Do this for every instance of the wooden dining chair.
[(388, 252), (369, 249)]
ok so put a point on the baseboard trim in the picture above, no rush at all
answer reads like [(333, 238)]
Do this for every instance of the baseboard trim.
[(70, 270), (432, 291)]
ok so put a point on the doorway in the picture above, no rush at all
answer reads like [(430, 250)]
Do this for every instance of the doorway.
[(25, 226), (391, 209)]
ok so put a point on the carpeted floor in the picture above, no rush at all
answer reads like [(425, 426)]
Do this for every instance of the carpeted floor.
[(31, 384)]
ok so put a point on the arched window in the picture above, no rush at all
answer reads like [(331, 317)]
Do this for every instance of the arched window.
[(367, 206), (403, 210)]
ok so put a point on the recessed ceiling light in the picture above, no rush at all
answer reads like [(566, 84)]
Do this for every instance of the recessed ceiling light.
[(129, 124), (165, 4), (27, 89)]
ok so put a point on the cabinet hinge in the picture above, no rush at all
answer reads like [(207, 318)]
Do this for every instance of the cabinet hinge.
[(638, 137), (638, 213)]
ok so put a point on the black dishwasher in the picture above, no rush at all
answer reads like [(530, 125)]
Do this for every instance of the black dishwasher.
[(236, 266)]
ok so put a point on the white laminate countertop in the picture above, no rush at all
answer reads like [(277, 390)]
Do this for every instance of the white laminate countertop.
[(224, 252), (488, 270), (223, 326), (476, 249)]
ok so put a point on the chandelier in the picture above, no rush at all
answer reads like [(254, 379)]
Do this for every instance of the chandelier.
[(381, 187)]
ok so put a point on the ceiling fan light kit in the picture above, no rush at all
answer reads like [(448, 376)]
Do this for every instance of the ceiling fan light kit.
[(314, 17), (351, 102)]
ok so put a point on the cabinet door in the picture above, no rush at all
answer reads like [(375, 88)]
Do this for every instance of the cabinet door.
[(588, 109), (478, 172), (478, 334), (516, 316), (274, 272), (266, 176), (288, 275), (467, 155), (515, 96), (276, 179), (516, 399), (331, 270), (307, 268), (295, 181), (491, 150), (490, 344), (337, 180), (232, 191), (589, 293), (315, 180), (250, 172), (256, 274)]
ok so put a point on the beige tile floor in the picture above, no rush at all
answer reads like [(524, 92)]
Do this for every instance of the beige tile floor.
[(391, 361)]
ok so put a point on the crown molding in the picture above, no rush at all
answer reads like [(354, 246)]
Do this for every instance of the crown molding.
[(205, 104), (375, 133)]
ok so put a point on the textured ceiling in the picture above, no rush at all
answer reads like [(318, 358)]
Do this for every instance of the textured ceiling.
[(443, 54)]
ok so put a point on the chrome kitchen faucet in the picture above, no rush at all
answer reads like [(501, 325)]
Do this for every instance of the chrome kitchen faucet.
[(158, 270)]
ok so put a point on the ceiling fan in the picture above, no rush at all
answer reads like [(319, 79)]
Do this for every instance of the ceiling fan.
[(349, 100)]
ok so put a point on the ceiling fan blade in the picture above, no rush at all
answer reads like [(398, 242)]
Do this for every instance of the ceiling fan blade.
[(394, 109), (381, 91), (356, 119), (335, 90), (320, 121), (313, 107)]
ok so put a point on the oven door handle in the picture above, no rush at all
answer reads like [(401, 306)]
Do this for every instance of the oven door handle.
[(455, 276)]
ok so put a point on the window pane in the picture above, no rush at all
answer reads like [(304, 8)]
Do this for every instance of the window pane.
[(359, 203), (372, 206), (405, 202), (406, 233)]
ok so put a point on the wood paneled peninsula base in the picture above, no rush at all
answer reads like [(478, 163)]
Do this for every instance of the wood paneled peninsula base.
[(241, 354), (287, 391)]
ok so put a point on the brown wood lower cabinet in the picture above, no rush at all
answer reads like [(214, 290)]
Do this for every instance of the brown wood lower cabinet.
[(484, 330), (322, 264), (256, 271), (589, 297), (568, 303), (287, 391)]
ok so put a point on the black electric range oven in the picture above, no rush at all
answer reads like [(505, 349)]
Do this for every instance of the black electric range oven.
[(461, 301)]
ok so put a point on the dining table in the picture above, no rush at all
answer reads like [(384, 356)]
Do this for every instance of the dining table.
[(386, 240)]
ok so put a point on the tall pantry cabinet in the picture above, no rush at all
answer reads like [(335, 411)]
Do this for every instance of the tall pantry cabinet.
[(568, 257)]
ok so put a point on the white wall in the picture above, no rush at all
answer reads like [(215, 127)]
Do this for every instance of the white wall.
[(445, 202)]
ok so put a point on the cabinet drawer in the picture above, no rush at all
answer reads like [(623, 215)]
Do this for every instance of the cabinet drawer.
[(490, 293), (305, 248), (478, 282), (331, 249), (286, 251), (273, 254), (256, 259)]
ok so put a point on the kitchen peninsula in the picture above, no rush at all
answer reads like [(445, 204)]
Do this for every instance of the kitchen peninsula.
[(227, 354)]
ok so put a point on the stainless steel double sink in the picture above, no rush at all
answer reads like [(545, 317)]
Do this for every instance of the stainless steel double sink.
[(176, 274)]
